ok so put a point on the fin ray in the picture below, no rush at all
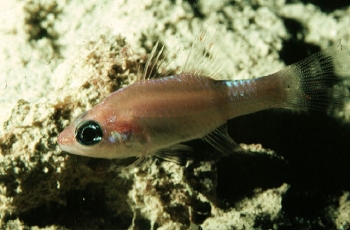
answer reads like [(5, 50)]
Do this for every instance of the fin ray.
[(221, 140), (316, 83), (178, 153)]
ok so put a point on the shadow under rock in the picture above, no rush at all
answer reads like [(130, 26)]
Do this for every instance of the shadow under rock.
[(316, 150), (328, 6)]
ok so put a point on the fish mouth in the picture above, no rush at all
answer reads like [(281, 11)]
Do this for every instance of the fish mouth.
[(65, 138)]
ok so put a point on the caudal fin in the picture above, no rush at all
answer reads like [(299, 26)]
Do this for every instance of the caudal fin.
[(319, 81)]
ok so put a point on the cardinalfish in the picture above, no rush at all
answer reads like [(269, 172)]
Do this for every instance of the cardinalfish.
[(154, 116)]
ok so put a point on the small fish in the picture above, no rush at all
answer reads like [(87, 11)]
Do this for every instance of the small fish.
[(153, 116)]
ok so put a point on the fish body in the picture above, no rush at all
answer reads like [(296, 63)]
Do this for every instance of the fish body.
[(153, 115)]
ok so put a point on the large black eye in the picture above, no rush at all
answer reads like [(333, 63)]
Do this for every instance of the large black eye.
[(88, 133)]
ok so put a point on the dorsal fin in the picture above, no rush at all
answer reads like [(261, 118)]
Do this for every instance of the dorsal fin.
[(207, 57), (153, 62)]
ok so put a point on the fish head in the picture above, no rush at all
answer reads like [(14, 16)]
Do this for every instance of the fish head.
[(100, 135)]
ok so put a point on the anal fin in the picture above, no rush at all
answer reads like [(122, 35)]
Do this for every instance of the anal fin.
[(221, 140)]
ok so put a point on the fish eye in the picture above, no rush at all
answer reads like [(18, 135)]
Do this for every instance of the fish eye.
[(88, 133)]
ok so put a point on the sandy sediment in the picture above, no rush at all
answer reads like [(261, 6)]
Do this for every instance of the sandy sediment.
[(60, 59)]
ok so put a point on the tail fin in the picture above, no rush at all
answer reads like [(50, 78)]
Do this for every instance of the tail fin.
[(318, 82)]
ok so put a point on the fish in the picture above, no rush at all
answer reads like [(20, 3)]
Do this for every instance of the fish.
[(155, 116)]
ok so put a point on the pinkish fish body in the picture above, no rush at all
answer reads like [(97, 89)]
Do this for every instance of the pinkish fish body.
[(152, 116)]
